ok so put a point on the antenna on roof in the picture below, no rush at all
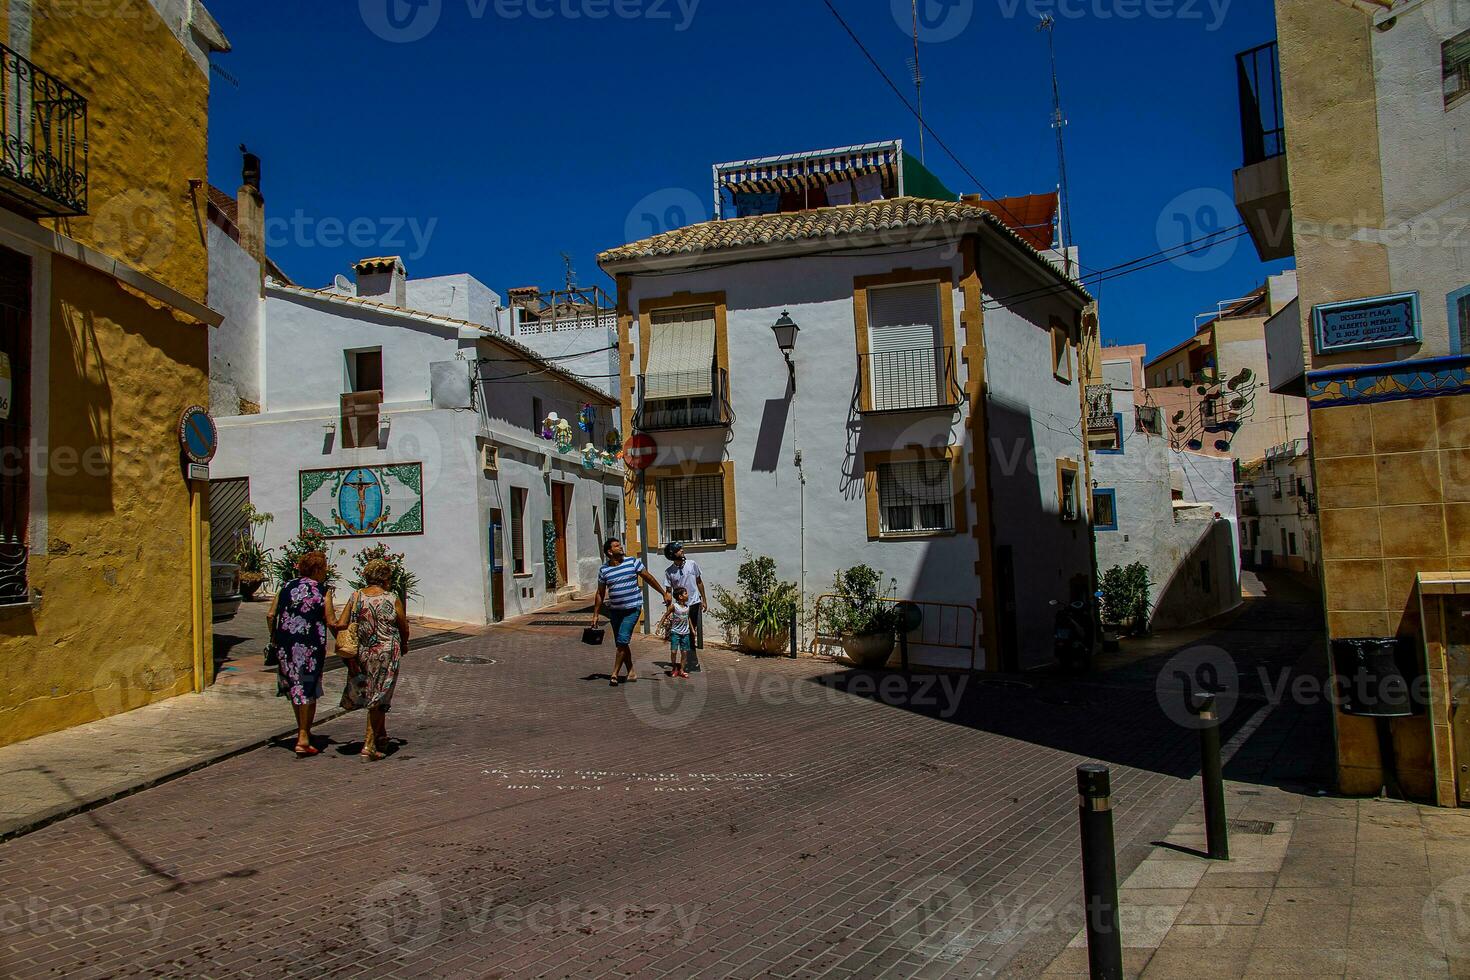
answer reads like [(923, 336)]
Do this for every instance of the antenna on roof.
[(571, 273), (1048, 24), (918, 79)]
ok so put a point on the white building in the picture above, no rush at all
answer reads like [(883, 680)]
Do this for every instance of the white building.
[(1172, 510), (930, 331), (391, 410), (1279, 511)]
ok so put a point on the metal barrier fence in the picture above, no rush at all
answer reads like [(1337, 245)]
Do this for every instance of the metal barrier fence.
[(946, 625)]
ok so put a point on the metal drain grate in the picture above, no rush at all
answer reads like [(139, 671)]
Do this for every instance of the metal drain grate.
[(476, 661), (1262, 827), (557, 622), (1006, 685)]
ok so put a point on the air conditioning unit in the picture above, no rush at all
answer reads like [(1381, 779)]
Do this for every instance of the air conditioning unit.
[(490, 459)]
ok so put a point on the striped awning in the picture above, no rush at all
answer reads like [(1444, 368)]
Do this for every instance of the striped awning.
[(793, 173)]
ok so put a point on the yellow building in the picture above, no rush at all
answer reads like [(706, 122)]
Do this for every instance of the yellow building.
[(1356, 127), (104, 332)]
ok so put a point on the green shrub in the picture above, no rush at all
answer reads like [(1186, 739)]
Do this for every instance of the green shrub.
[(250, 552), (1125, 595), (284, 568), (405, 584), (859, 606), (761, 607)]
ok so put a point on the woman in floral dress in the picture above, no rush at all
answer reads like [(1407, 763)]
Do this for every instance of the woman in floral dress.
[(299, 616), (382, 640)]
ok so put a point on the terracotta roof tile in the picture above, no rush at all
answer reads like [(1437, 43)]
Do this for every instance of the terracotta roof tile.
[(894, 215), (380, 263), (226, 203)]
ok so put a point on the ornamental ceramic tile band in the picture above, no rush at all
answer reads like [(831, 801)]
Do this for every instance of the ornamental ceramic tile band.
[(363, 501), (1422, 378)]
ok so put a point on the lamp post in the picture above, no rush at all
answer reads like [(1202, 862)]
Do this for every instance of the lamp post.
[(786, 330)]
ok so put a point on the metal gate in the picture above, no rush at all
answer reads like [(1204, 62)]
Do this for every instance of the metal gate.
[(227, 500)]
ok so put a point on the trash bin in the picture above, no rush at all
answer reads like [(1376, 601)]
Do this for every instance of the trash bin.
[(1379, 676)]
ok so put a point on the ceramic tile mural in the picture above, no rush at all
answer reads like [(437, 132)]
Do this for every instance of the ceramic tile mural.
[(1426, 378), (363, 501)]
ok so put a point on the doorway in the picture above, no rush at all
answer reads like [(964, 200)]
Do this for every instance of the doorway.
[(1005, 597), (497, 567), (561, 500)]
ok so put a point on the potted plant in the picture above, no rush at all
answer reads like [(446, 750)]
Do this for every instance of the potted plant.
[(760, 611), (251, 554), (283, 569), (1125, 596), (405, 583), (862, 616)]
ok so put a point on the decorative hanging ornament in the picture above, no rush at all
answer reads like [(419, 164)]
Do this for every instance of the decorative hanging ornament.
[(613, 441), (563, 436), (589, 457), (548, 426), (587, 418)]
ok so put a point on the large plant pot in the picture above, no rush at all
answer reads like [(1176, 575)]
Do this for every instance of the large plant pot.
[(869, 650), (773, 643), (249, 586)]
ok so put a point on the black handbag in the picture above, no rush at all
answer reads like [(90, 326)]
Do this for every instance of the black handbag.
[(593, 636)]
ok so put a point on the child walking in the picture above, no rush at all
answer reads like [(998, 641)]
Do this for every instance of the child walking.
[(681, 637)]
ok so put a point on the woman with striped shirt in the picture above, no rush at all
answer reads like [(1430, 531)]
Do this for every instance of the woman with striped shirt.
[(619, 595)]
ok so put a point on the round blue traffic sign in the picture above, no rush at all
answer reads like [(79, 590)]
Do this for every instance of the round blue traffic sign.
[(198, 437)]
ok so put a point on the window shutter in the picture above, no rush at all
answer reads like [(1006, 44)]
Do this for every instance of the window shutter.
[(681, 353), (903, 344)]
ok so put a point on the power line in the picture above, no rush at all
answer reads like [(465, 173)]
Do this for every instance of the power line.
[(939, 141)]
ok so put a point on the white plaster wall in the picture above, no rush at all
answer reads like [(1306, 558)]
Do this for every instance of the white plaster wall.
[(460, 297), (1426, 155), (823, 422), (1148, 531), (304, 340), (591, 354), (234, 345), (449, 557), (1034, 421)]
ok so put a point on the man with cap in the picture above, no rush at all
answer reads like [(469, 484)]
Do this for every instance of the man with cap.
[(685, 571)]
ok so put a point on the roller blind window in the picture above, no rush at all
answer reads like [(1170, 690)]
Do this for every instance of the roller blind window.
[(681, 353), (903, 346)]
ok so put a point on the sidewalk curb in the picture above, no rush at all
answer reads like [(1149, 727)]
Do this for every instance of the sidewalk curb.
[(92, 801)]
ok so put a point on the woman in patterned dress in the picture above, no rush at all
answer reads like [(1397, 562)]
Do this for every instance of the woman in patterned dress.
[(299, 616), (382, 640)]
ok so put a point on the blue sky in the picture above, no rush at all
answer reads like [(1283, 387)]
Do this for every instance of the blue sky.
[(490, 136)]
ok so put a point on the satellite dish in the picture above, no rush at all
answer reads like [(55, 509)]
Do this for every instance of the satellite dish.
[(343, 284)]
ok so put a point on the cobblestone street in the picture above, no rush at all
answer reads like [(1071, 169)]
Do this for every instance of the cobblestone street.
[(778, 817)]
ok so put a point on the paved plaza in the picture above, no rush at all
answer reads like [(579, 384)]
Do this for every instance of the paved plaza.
[(766, 817)]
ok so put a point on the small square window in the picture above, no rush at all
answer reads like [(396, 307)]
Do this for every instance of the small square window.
[(915, 497), (1061, 360), (691, 509), (1067, 499)]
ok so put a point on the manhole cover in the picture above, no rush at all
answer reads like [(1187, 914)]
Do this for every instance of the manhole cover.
[(478, 661), (1262, 827)]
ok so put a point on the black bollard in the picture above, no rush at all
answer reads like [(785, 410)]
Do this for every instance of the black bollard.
[(1099, 873), (1216, 832), (793, 634)]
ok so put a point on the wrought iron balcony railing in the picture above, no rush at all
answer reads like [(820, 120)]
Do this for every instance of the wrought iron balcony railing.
[(710, 411), (43, 140), (916, 380), (1100, 415)]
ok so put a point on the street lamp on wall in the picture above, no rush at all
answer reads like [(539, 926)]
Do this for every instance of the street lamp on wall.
[(786, 330)]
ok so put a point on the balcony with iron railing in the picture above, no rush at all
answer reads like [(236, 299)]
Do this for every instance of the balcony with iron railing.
[(43, 140), (1261, 194), (921, 379), (710, 411), (1102, 421)]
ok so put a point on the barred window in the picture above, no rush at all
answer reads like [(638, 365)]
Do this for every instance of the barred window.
[(692, 509), (915, 496), (1455, 59)]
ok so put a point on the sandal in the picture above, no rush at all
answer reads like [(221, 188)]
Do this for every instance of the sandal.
[(302, 753), (373, 756), (631, 679), (612, 682)]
